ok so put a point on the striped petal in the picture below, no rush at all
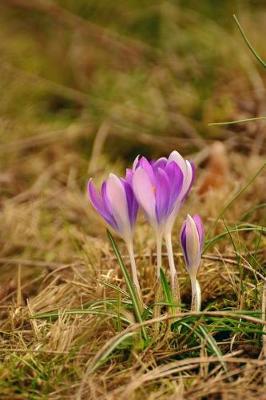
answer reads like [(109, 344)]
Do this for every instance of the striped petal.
[(132, 203), (162, 195), (99, 205)]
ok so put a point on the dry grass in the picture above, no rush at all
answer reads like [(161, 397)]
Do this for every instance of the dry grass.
[(55, 256), (60, 125)]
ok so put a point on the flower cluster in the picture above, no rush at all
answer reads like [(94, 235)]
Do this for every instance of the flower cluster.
[(159, 188)]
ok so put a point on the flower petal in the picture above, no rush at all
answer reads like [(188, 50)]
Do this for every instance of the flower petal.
[(146, 165), (179, 160), (116, 196), (193, 250), (176, 178), (99, 204), (144, 192), (183, 239), (132, 203), (162, 195), (200, 229), (189, 179), (160, 163), (188, 171)]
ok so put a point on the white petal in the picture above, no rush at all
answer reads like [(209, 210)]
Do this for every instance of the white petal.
[(175, 156), (187, 179), (144, 192), (117, 197), (192, 246), (135, 163)]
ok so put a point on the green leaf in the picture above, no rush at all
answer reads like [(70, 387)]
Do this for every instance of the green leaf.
[(168, 296), (131, 288), (213, 345), (102, 356)]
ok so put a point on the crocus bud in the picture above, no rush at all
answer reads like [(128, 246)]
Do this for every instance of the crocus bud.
[(116, 204), (192, 239)]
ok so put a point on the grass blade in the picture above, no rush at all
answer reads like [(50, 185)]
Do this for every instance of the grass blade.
[(237, 121), (251, 48), (166, 288), (213, 345), (238, 228), (101, 356)]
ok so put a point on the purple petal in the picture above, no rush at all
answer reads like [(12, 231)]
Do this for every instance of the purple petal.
[(175, 177), (162, 195), (183, 239), (128, 177), (160, 163), (99, 204), (131, 203)]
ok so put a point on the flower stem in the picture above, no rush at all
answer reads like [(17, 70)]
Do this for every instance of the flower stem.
[(159, 253), (196, 295), (134, 268), (173, 275)]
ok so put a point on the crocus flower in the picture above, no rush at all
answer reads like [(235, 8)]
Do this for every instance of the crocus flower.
[(157, 186), (161, 187), (192, 239), (117, 205), (188, 172)]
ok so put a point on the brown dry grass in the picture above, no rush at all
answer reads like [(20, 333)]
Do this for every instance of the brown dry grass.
[(55, 256)]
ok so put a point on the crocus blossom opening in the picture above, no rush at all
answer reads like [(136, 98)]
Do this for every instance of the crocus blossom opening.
[(157, 186), (188, 172), (160, 187), (192, 240), (117, 205)]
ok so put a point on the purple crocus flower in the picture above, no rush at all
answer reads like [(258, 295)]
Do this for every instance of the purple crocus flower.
[(188, 172), (157, 186), (117, 205), (192, 240), (160, 187)]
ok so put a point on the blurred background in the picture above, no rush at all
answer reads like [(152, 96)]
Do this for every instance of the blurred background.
[(86, 84)]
